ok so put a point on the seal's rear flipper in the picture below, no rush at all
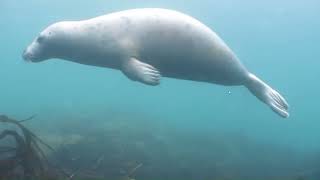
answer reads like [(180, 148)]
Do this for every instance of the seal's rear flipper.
[(140, 71), (268, 95)]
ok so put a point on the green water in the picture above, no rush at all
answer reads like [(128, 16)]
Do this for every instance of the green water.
[(277, 40)]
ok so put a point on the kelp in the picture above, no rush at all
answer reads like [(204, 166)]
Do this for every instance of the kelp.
[(28, 160)]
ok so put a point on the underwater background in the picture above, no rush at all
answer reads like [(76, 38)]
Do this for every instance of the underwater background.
[(211, 132)]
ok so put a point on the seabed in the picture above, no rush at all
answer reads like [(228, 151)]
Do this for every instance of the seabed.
[(135, 151)]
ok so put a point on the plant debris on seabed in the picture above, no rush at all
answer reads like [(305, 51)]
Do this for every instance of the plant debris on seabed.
[(26, 159)]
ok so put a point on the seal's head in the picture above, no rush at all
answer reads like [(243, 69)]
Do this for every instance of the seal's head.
[(47, 44)]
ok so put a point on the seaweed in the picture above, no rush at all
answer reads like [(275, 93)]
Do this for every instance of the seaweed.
[(28, 160)]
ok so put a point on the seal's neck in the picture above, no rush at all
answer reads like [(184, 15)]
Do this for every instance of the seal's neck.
[(80, 44)]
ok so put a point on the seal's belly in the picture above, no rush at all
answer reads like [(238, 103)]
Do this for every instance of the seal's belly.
[(191, 54)]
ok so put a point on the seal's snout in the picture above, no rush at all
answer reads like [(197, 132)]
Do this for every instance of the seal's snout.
[(27, 56)]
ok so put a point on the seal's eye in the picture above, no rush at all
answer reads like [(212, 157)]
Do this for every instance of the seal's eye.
[(40, 39)]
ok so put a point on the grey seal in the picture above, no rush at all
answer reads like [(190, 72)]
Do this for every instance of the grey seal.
[(150, 43)]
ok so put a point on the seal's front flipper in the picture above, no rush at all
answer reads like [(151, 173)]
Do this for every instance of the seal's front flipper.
[(140, 71), (268, 95)]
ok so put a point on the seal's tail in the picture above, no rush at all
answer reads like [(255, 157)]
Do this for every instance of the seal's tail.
[(268, 95)]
